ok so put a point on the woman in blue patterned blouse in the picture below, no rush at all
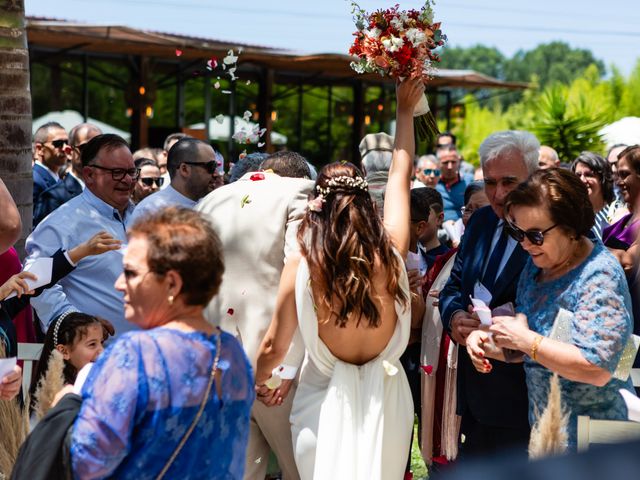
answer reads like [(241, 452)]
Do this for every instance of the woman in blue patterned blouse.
[(172, 398), (570, 278)]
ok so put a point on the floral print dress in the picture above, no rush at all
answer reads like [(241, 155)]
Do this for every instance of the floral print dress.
[(597, 295), (143, 394)]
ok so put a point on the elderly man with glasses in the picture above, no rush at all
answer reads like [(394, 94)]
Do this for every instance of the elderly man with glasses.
[(193, 167), (72, 184), (104, 205), (51, 147)]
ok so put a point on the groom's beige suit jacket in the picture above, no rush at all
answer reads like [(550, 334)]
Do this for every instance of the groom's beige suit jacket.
[(257, 222)]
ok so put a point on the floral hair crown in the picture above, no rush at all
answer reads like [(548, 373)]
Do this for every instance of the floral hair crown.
[(343, 183)]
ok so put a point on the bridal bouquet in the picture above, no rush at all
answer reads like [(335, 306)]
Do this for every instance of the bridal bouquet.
[(399, 44)]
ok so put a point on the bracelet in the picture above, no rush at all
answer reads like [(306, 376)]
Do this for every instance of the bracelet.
[(534, 347)]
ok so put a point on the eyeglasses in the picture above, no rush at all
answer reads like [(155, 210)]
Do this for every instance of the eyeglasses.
[(534, 236), (60, 143), (431, 171), (210, 167), (443, 145), (118, 174), (467, 210), (149, 181)]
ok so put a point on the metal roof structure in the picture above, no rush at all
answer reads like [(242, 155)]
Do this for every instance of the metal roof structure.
[(62, 39)]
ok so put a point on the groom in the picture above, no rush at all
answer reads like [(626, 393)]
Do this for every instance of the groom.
[(257, 219)]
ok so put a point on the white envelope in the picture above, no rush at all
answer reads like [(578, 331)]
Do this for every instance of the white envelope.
[(42, 268), (6, 366), (481, 292), (413, 261)]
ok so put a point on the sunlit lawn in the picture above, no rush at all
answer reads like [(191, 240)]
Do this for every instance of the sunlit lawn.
[(417, 464)]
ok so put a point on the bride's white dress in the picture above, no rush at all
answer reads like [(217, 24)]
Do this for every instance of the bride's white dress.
[(348, 421)]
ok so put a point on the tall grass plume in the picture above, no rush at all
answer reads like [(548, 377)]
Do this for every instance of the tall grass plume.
[(14, 426), (549, 435), (49, 385)]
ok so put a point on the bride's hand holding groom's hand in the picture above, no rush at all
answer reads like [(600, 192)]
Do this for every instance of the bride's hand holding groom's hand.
[(276, 396)]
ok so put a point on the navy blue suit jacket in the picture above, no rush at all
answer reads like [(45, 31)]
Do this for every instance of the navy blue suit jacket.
[(54, 196), (498, 398), (42, 180)]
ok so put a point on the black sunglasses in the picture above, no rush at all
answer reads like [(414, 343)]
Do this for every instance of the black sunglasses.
[(149, 181), (118, 174), (429, 171), (210, 167), (80, 147), (534, 236), (59, 143)]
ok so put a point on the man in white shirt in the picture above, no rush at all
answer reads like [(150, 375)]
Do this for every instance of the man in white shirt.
[(192, 166)]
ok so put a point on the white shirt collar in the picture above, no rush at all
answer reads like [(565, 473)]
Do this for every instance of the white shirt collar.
[(49, 171)]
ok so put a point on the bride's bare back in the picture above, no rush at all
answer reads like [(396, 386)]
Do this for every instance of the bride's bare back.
[(358, 345)]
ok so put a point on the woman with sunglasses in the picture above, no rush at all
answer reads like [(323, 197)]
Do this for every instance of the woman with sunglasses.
[(149, 180), (573, 303)]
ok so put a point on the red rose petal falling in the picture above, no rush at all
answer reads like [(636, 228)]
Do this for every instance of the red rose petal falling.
[(230, 311), (257, 176), (178, 52), (428, 369)]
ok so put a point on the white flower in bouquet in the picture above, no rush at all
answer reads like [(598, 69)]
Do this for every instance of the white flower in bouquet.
[(415, 36), (373, 33), (393, 44)]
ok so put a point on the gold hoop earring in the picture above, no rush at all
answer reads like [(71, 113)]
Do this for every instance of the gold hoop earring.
[(170, 299)]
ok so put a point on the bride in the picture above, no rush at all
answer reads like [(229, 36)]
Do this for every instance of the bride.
[(348, 293)]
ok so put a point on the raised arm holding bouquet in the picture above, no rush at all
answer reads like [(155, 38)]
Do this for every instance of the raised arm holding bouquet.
[(399, 44)]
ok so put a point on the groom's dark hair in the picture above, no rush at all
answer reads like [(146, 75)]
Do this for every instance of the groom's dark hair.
[(287, 164)]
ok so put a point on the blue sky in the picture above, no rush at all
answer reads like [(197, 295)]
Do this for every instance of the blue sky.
[(611, 30)]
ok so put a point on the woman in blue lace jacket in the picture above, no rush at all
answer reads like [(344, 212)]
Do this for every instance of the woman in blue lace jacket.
[(173, 398), (573, 303)]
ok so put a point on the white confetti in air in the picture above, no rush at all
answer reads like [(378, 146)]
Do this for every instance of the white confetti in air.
[(230, 59)]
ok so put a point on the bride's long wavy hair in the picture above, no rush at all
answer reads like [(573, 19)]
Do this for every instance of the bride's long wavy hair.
[(342, 237)]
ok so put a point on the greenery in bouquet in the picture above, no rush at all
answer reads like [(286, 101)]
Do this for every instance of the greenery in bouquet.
[(399, 44)]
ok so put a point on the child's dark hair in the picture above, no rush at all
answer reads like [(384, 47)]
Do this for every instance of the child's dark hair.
[(66, 330), (423, 199)]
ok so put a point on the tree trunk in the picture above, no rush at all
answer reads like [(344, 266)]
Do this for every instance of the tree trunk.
[(15, 112)]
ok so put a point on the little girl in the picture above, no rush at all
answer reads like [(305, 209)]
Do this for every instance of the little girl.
[(79, 338), (63, 262)]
